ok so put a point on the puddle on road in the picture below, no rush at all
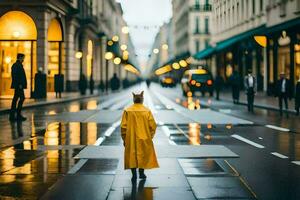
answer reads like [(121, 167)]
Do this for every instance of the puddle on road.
[(197, 134)]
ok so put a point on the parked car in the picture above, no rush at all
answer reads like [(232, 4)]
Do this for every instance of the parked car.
[(167, 81), (197, 80)]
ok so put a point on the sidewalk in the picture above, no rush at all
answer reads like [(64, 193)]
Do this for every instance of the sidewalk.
[(5, 103), (261, 100)]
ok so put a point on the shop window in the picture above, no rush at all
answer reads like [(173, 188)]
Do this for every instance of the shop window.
[(297, 62), (55, 52), (18, 34), (89, 58)]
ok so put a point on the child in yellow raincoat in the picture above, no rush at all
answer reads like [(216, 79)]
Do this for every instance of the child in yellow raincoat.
[(138, 128)]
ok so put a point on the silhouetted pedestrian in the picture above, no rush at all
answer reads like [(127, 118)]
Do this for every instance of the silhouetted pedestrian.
[(283, 91), (297, 97), (125, 83), (19, 83), (219, 82), (92, 85), (40, 81), (82, 84), (251, 88), (235, 82), (148, 82), (114, 82)]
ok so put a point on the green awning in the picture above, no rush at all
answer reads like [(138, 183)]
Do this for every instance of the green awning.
[(231, 41), (204, 53)]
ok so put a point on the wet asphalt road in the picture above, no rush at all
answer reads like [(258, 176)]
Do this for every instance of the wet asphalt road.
[(37, 154)]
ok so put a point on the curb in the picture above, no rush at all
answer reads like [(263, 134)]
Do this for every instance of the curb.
[(261, 106), (51, 102)]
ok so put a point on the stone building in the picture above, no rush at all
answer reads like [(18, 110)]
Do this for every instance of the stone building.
[(67, 37)]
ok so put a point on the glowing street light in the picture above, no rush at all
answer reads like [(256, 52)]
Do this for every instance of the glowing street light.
[(117, 60), (183, 63), (110, 43), (78, 54), (115, 38), (165, 47), (123, 47), (155, 51), (176, 66), (16, 34), (125, 29), (109, 55)]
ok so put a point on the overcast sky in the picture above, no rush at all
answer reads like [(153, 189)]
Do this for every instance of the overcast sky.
[(143, 16)]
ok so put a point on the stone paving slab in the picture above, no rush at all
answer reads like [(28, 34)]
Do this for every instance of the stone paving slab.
[(97, 116), (170, 151), (139, 192), (78, 187), (219, 188)]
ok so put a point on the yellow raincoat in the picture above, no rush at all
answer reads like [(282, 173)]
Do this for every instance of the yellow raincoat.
[(138, 129)]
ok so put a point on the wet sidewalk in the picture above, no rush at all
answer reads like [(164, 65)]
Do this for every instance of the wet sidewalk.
[(5, 102)]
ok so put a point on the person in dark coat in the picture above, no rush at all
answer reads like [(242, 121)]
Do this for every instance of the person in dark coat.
[(297, 97), (19, 83), (219, 82), (250, 88), (92, 85), (235, 85), (283, 91), (114, 82), (82, 84)]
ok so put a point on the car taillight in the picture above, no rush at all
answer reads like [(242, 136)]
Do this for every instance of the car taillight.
[(209, 82), (193, 82)]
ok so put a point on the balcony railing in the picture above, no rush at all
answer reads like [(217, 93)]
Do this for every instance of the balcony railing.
[(85, 8), (202, 8)]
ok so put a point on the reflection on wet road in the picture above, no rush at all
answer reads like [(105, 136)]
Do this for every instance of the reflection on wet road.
[(39, 157)]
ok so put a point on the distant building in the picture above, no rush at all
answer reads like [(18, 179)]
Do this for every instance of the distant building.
[(192, 25)]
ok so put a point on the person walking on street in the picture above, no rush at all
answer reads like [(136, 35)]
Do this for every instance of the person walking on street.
[(297, 98), (283, 92), (115, 82), (137, 130), (19, 83), (234, 80), (251, 88), (219, 81)]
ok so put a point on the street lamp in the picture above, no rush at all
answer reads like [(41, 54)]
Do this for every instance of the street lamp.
[(125, 29), (155, 51), (109, 55), (79, 56), (117, 60), (123, 47), (115, 38), (165, 47)]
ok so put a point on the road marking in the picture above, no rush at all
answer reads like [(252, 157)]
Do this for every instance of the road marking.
[(260, 138), (278, 128), (296, 162), (226, 111), (99, 141), (238, 137), (279, 155), (166, 130), (77, 166)]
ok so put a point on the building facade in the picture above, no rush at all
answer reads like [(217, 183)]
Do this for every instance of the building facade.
[(65, 37), (192, 25), (258, 35)]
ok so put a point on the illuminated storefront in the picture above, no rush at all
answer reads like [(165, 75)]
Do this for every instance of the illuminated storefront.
[(18, 34), (89, 59), (55, 53)]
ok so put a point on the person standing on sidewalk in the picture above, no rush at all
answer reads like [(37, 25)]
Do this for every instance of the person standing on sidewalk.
[(297, 98), (19, 83), (219, 82), (283, 92), (250, 87), (235, 82), (137, 130)]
